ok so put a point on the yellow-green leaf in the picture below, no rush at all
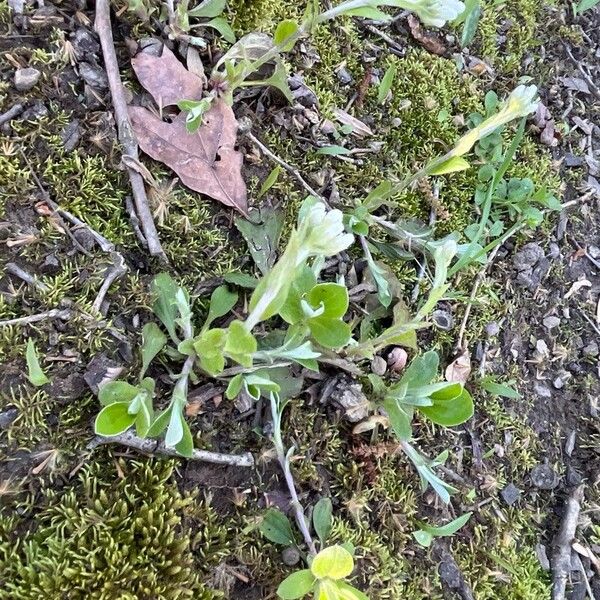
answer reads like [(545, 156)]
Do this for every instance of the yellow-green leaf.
[(34, 372), (452, 165), (334, 562)]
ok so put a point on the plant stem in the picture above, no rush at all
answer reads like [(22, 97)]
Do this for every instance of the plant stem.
[(284, 462)]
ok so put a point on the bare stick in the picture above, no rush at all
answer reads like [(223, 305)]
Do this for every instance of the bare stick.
[(395, 47), (561, 557), (463, 326), (127, 139), (55, 313), (25, 276), (118, 269), (291, 170), (151, 446), (11, 113)]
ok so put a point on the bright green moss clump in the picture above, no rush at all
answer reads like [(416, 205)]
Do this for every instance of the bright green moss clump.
[(103, 539), (507, 31)]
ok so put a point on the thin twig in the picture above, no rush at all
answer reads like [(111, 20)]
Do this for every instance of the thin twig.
[(291, 170), (463, 326), (117, 270), (11, 113), (127, 139), (561, 557), (55, 313), (395, 47), (25, 276), (152, 446)]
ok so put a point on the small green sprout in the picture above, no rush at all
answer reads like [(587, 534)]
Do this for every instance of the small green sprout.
[(35, 374), (426, 534)]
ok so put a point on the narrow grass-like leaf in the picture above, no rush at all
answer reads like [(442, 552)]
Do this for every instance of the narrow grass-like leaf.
[(34, 371)]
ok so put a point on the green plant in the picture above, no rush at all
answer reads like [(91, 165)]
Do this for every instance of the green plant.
[(584, 5), (35, 374), (426, 534), (242, 65)]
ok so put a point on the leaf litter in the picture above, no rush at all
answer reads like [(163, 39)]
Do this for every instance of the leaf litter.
[(206, 161)]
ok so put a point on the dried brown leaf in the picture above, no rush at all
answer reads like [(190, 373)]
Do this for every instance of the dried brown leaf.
[(459, 369), (359, 129), (429, 41), (167, 80), (206, 161)]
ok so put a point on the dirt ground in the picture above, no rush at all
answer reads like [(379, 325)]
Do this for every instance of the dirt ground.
[(110, 523)]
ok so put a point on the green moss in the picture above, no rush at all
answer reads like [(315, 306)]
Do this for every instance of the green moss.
[(106, 537), (516, 22), (500, 562)]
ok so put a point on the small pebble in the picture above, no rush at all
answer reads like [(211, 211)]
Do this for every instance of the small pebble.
[(492, 329), (543, 477), (510, 494), (378, 365), (397, 359), (591, 349), (344, 77), (290, 556), (25, 79), (543, 391), (551, 322)]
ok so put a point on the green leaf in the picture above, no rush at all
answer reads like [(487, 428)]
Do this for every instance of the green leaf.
[(383, 287), (175, 430), (242, 280), (240, 345), (471, 15), (222, 300), (114, 419), (160, 423), (333, 297), (34, 372), (223, 27), (499, 389), (423, 538), (279, 80), (291, 311), (185, 447), (584, 5), (234, 387), (448, 529), (296, 585), (333, 562), (262, 236), (333, 150), (452, 165), (117, 391), (208, 9), (369, 12), (285, 29), (421, 370), (400, 419), (270, 181), (153, 341), (450, 412), (331, 333), (209, 347), (276, 527), (165, 305), (347, 592), (322, 519), (386, 83), (144, 415)]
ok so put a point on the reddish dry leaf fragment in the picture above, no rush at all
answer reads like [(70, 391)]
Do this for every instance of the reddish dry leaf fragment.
[(206, 161), (429, 41), (167, 80)]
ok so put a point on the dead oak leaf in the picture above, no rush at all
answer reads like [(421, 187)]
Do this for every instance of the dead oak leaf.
[(167, 80), (207, 161)]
